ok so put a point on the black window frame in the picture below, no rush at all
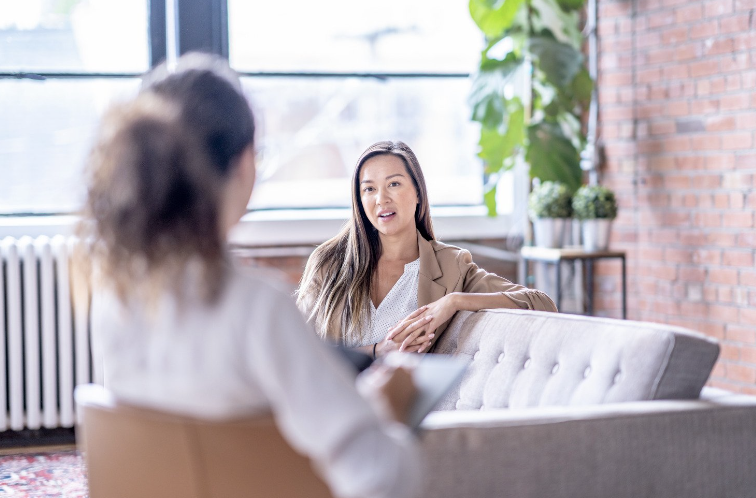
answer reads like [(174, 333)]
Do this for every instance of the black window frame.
[(201, 25)]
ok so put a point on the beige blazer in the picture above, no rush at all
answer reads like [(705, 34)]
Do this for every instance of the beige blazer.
[(445, 269)]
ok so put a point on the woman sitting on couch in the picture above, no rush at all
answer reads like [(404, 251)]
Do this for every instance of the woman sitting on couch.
[(384, 283)]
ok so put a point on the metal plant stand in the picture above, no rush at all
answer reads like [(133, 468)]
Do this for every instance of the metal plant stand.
[(556, 256)]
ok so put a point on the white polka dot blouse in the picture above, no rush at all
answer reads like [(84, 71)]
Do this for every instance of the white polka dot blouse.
[(398, 303)]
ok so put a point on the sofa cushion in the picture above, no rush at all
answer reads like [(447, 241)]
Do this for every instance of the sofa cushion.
[(527, 358)]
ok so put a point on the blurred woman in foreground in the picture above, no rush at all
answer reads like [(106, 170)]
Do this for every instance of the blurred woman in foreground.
[(180, 327)]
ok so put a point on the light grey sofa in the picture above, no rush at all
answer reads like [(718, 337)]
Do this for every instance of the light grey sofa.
[(567, 406)]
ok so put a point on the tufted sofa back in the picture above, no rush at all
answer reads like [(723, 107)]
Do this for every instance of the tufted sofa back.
[(528, 358)]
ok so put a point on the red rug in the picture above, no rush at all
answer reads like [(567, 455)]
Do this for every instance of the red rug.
[(58, 474)]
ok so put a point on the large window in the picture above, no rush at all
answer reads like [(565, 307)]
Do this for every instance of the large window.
[(332, 77), (64, 62), (314, 129), (326, 80), (46, 130), (82, 36), (390, 36)]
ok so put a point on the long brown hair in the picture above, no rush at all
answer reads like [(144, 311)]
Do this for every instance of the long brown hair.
[(340, 271), (155, 179)]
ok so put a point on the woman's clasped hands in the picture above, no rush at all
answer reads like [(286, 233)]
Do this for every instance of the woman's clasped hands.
[(415, 333)]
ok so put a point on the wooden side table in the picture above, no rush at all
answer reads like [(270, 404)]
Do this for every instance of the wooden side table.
[(556, 256)]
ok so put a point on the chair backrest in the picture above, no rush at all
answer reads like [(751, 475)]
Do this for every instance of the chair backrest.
[(131, 451)]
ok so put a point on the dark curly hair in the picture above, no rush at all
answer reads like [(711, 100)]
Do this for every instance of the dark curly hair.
[(155, 176)]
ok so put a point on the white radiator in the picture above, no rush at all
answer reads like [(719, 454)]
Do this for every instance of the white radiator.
[(45, 345)]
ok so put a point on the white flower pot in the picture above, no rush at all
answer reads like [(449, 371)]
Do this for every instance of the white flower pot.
[(549, 232), (572, 234), (596, 234)]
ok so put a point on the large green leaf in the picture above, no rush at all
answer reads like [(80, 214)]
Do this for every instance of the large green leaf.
[(493, 17), (487, 96), (552, 157), (558, 61), (572, 129), (505, 66), (489, 110), (544, 93), (582, 87), (492, 149), (498, 150), (496, 146), (571, 4), (489, 199), (564, 24)]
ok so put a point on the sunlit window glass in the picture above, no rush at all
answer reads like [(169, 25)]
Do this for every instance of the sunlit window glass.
[(314, 129), (108, 36), (353, 36), (46, 131)]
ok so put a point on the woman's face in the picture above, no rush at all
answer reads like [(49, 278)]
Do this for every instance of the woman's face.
[(388, 195)]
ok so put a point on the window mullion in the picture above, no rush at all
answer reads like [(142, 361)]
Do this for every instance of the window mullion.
[(158, 32), (203, 26)]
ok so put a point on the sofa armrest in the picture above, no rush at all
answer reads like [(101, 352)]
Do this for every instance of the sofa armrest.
[(681, 449)]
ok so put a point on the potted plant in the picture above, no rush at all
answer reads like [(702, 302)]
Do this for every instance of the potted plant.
[(595, 206), (550, 208), (530, 89)]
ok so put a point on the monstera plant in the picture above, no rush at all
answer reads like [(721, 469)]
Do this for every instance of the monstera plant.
[(540, 122)]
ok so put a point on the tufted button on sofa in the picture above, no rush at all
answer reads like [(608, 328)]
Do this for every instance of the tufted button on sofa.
[(560, 405)]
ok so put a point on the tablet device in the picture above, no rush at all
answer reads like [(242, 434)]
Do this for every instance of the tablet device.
[(434, 375), (360, 361)]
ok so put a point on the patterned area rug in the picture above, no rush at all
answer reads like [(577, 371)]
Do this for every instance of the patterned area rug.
[(58, 474)]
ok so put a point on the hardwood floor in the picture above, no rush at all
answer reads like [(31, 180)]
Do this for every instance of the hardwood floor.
[(36, 449)]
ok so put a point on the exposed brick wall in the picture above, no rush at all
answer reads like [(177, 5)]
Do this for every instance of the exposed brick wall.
[(677, 83)]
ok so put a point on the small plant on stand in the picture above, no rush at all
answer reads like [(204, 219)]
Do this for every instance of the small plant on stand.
[(550, 208), (595, 206)]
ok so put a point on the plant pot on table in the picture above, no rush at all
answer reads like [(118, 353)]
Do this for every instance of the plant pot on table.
[(596, 234), (550, 232)]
